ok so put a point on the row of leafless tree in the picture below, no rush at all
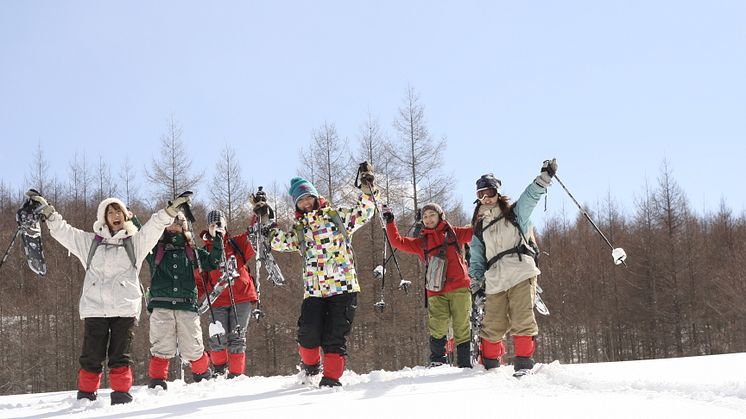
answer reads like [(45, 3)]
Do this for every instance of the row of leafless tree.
[(680, 295)]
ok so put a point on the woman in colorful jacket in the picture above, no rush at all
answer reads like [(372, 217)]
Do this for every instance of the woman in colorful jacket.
[(111, 299), (448, 296), (172, 302), (503, 262), (234, 305), (322, 235)]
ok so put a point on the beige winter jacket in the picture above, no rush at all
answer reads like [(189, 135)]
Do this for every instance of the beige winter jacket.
[(111, 287)]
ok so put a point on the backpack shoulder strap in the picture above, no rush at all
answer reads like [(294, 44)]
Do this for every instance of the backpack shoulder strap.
[(92, 251), (129, 247), (480, 227), (237, 249), (301, 238), (337, 220), (159, 252), (127, 243)]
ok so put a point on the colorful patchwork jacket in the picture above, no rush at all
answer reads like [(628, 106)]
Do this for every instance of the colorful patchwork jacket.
[(329, 262)]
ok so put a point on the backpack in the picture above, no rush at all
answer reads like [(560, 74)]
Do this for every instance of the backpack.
[(129, 247), (162, 247), (437, 265), (526, 246)]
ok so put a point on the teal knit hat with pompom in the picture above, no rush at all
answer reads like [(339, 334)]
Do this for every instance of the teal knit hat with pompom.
[(300, 187)]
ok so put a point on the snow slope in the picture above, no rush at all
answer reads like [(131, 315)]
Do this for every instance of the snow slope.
[(708, 386)]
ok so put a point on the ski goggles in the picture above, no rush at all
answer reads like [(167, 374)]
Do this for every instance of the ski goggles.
[(486, 193)]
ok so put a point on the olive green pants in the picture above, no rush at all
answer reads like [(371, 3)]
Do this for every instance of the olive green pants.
[(511, 310), (454, 306)]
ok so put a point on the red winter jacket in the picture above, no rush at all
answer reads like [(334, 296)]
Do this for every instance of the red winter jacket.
[(457, 275), (243, 286)]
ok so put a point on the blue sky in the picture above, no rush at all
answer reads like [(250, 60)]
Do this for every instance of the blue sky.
[(609, 88)]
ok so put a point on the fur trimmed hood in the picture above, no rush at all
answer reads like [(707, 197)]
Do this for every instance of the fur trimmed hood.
[(100, 227)]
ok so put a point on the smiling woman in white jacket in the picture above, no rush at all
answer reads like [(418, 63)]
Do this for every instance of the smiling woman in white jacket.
[(111, 300)]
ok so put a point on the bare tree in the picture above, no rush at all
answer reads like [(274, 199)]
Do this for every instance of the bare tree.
[(420, 154), (170, 171), (106, 186), (127, 180), (329, 163), (308, 163), (38, 170), (228, 190)]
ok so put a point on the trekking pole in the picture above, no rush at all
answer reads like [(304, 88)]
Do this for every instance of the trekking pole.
[(403, 284), (230, 268), (618, 254), (190, 220), (417, 226), (10, 246)]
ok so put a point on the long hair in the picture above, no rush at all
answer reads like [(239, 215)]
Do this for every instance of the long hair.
[(503, 202)]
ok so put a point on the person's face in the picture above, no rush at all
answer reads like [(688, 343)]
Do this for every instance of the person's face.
[(488, 196), (430, 218), (307, 203), (114, 218), (176, 227)]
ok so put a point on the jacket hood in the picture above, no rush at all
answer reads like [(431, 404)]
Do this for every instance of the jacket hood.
[(100, 227)]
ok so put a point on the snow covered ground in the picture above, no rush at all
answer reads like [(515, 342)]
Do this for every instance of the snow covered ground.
[(701, 387)]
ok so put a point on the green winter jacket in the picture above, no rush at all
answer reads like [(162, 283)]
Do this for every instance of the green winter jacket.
[(172, 283)]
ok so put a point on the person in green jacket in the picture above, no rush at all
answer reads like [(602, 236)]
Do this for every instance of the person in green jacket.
[(172, 302)]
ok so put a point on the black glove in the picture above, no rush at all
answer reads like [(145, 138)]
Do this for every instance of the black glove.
[(388, 215), (365, 172), (549, 167)]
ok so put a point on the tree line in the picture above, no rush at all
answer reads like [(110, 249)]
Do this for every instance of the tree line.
[(678, 297)]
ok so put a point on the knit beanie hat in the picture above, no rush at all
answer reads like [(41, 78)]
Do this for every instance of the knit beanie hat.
[(488, 181), (300, 187), (432, 206), (216, 217)]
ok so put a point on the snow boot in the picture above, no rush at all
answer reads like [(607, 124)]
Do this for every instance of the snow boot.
[(490, 363), (87, 395), (219, 369), (437, 352), (157, 382), (463, 353), (329, 382), (120, 397), (523, 362), (207, 375), (310, 370)]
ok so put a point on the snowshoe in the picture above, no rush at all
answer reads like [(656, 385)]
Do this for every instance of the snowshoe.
[(521, 372), (30, 228)]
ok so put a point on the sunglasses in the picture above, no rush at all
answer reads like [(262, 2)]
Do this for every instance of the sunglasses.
[(487, 193)]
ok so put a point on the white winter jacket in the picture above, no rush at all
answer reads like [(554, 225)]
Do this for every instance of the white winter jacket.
[(111, 287)]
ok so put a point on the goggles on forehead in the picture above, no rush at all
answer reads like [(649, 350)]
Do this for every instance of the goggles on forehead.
[(486, 193)]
